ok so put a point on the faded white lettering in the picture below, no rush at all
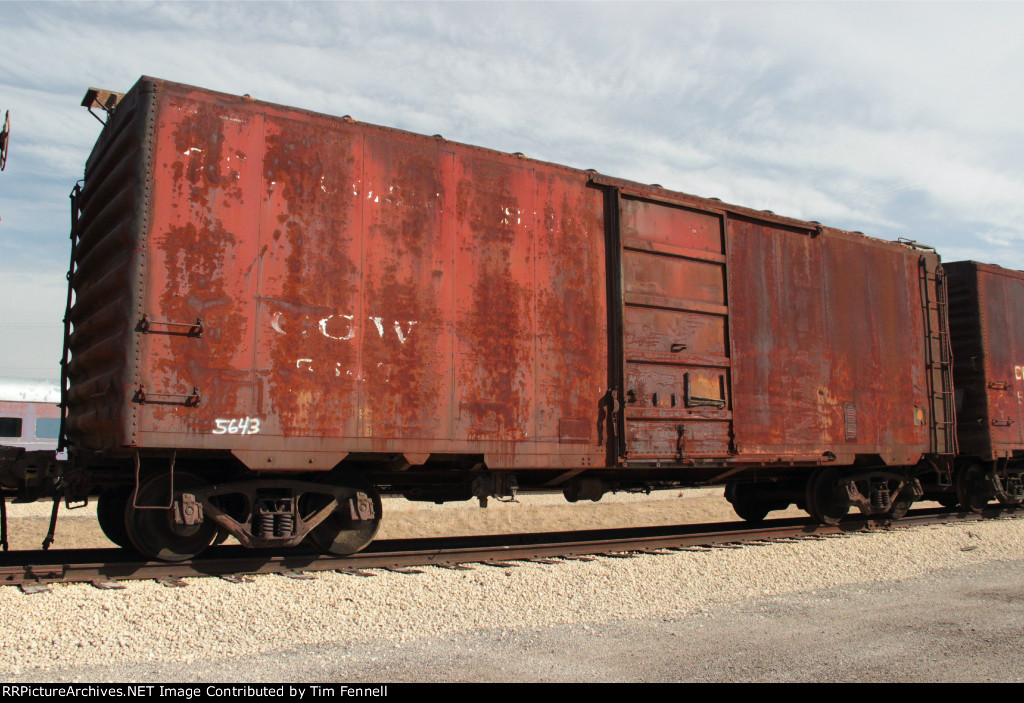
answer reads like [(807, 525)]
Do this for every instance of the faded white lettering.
[(402, 337), (351, 330), (275, 323), (237, 425)]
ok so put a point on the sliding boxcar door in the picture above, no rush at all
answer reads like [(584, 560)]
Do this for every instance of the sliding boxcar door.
[(676, 400)]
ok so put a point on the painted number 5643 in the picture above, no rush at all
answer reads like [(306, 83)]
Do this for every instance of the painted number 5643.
[(238, 425)]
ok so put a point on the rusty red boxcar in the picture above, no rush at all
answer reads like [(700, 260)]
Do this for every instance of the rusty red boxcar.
[(986, 310), (278, 314)]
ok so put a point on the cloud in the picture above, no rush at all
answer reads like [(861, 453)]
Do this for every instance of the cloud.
[(32, 331), (894, 119)]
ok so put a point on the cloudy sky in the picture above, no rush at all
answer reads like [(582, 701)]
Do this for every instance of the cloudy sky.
[(893, 119)]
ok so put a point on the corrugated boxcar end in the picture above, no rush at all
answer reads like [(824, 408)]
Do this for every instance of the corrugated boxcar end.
[(108, 277)]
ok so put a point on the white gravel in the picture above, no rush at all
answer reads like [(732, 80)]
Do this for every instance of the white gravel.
[(211, 619)]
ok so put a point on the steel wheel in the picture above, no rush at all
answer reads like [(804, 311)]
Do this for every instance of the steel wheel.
[(154, 532), (339, 534), (1006, 497), (826, 501), (746, 503), (900, 506), (973, 488), (110, 509)]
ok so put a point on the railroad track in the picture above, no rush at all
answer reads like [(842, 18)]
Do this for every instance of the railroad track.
[(106, 568)]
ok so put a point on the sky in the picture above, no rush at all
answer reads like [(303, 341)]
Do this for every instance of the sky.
[(894, 119)]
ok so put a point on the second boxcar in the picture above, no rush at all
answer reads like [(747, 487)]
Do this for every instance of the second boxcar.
[(986, 307)]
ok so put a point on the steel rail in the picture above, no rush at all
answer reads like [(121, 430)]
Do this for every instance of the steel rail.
[(103, 566)]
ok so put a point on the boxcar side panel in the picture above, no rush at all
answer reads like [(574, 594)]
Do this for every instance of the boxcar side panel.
[(316, 287), (782, 398), (877, 335), (572, 330), (309, 285), (405, 369), (828, 338), (200, 298), (495, 309)]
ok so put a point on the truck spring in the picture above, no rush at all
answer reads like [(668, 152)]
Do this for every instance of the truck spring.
[(284, 525), (1014, 486), (880, 496), (265, 525)]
